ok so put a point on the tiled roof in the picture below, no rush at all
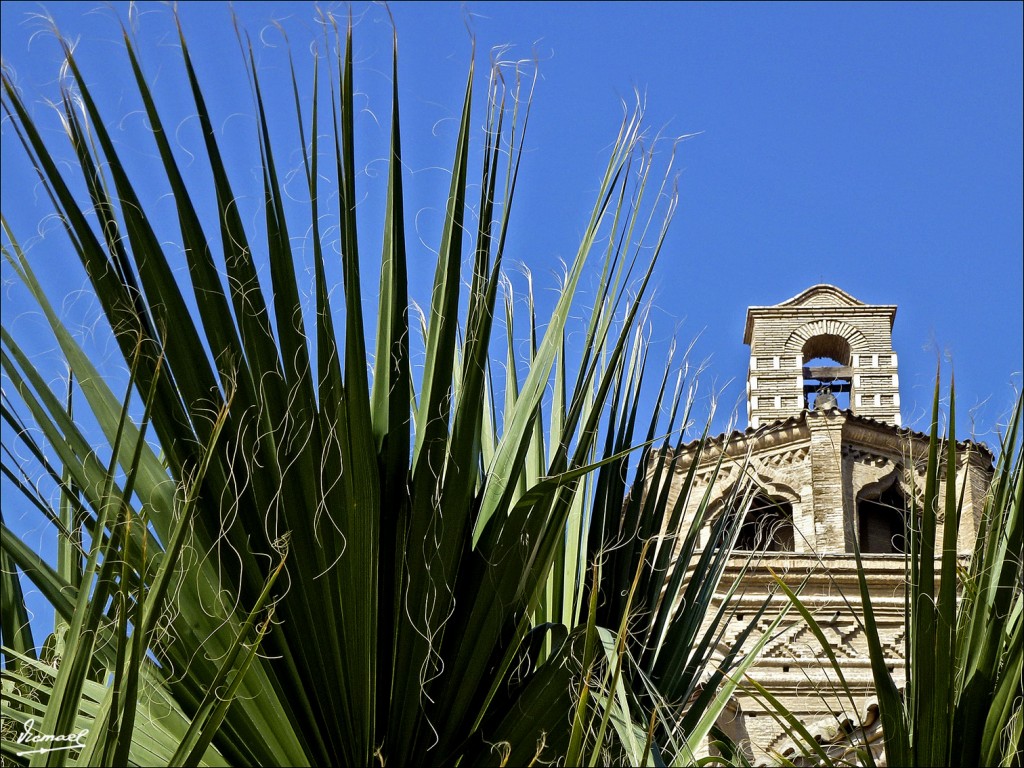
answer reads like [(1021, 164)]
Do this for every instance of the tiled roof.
[(793, 421)]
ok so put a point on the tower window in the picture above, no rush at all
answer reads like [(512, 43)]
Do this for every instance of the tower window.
[(881, 522), (767, 527)]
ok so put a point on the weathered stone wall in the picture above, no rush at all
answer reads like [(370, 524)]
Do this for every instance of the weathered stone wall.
[(793, 665), (821, 464)]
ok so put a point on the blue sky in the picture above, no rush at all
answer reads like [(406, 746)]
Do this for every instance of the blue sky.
[(874, 146)]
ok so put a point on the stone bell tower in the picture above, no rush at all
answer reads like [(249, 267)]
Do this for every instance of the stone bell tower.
[(822, 341), (823, 467)]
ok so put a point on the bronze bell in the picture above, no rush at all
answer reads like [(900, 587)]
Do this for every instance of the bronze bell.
[(825, 399)]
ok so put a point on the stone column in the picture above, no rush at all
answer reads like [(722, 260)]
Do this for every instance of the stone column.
[(826, 429)]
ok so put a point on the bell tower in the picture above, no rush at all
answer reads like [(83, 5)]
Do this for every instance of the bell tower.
[(824, 468), (820, 350)]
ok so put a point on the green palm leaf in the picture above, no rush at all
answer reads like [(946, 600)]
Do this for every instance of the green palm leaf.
[(433, 602)]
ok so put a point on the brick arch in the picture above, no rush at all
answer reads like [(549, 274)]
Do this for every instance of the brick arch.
[(776, 481), (826, 327), (771, 483), (874, 488), (898, 476)]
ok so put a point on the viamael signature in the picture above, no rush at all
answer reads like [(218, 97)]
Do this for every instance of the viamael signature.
[(55, 742)]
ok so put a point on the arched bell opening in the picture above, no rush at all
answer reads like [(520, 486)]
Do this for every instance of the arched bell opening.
[(881, 522), (827, 372)]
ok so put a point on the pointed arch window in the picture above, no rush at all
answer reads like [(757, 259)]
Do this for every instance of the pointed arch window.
[(767, 526), (881, 522)]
